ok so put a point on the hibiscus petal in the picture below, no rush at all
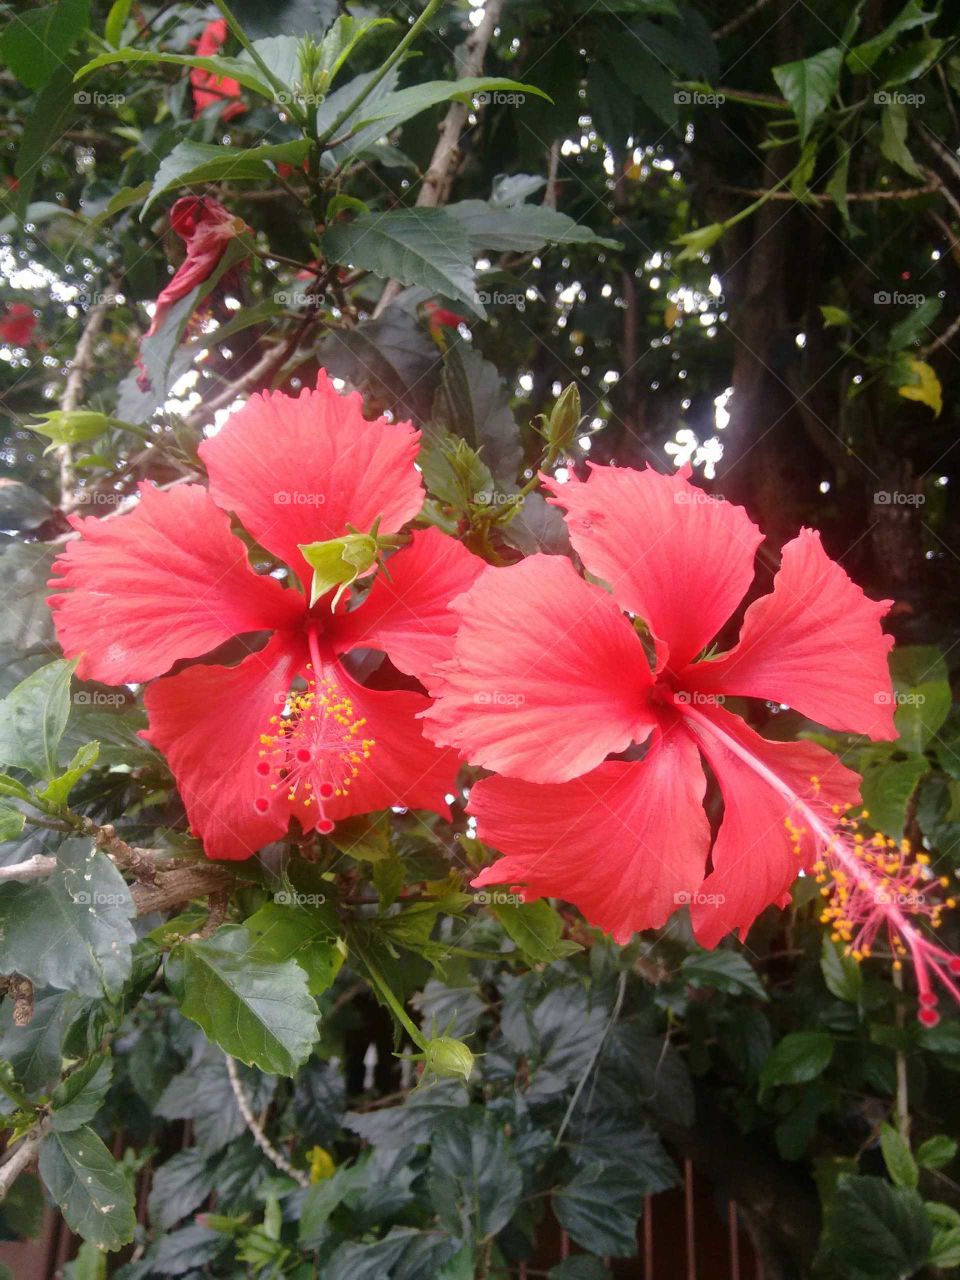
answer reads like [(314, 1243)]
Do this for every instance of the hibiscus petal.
[(166, 581), (814, 643), (408, 615), (679, 558), (626, 843), (755, 856), (300, 469), (207, 721), (547, 677)]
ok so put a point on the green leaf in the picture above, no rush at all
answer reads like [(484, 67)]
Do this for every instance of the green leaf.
[(600, 1206), (36, 1051), (535, 927), (862, 57), (307, 934), (521, 228), (887, 788), (473, 402), (57, 792), (724, 970), (298, 17), (922, 683), (116, 21), (35, 41), (192, 163), (834, 317), (937, 1152), (395, 108), (33, 717), (880, 1230), (78, 1098), (799, 1057), (242, 70), (580, 1267), (475, 1183), (424, 247), (72, 929), (43, 129), (258, 1011), (179, 1186), (93, 1192), (12, 821), (842, 974), (365, 837), (809, 85), (909, 330), (893, 134), (901, 1165)]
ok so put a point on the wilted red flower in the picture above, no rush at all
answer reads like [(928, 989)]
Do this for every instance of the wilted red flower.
[(207, 87), (439, 318), (549, 678), (291, 730), (18, 324)]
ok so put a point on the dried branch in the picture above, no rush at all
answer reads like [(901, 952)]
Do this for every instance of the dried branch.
[(275, 1157), (22, 1155)]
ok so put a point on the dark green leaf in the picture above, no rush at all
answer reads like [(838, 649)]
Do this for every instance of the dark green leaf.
[(258, 1011), (937, 1152), (800, 1056), (809, 85), (880, 1230), (35, 1051), (78, 1098), (178, 1187), (723, 970), (841, 973), (600, 1206), (900, 1163), (472, 401), (191, 163), (922, 683), (286, 931), (535, 927), (521, 228), (395, 108), (887, 788), (35, 41), (475, 1183), (32, 720), (94, 1193)]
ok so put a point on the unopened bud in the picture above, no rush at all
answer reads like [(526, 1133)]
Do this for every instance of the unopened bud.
[(562, 426), (445, 1056), (71, 426)]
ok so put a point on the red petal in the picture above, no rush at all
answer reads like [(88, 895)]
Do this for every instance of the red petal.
[(679, 558), (300, 469), (207, 721), (408, 615), (814, 643), (205, 226), (547, 678), (754, 859), (626, 843), (166, 581)]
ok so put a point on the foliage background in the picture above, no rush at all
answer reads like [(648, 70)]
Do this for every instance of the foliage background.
[(755, 267)]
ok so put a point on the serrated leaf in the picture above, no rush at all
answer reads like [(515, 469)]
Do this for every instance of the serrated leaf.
[(424, 247), (179, 1186), (880, 1230), (93, 1192), (724, 970), (33, 717), (922, 684), (244, 71), (472, 401), (841, 973), (809, 85), (475, 1183), (937, 1152), (600, 1206), (258, 1011), (78, 1098), (72, 929), (394, 108), (34, 42), (35, 1051), (521, 228), (307, 934), (535, 927), (190, 163), (900, 1163), (12, 821), (57, 791)]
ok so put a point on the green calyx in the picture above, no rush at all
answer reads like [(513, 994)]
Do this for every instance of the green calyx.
[(339, 562)]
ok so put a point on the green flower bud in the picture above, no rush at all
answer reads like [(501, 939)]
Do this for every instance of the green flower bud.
[(71, 426), (445, 1056), (339, 561), (561, 428)]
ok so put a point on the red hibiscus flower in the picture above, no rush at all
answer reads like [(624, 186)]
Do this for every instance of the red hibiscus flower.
[(207, 87), (440, 318), (18, 324), (291, 730), (549, 678)]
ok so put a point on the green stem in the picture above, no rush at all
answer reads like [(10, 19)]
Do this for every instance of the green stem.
[(383, 987), (391, 62)]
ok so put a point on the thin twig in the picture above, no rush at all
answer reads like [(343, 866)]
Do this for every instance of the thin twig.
[(80, 366), (260, 1138), (22, 1155)]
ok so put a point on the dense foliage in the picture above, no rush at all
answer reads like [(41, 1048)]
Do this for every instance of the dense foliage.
[(639, 231)]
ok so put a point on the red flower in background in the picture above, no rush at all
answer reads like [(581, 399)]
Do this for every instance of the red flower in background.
[(549, 678), (209, 88), (289, 731), (440, 318), (18, 324)]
